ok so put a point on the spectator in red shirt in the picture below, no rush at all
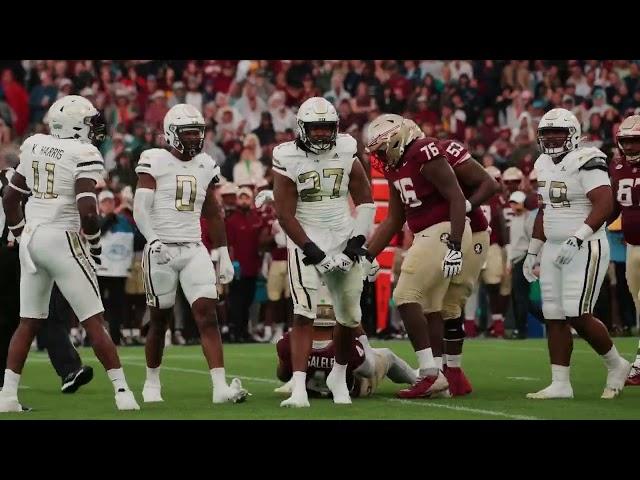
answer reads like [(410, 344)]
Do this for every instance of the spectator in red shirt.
[(246, 237), (18, 99)]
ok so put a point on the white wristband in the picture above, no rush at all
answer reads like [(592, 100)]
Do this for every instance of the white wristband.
[(16, 226), (467, 206), (86, 194), (535, 245), (584, 232)]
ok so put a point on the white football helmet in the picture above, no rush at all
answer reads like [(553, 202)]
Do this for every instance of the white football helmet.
[(388, 136), (75, 117), (317, 112), (628, 138), (565, 126), (180, 119)]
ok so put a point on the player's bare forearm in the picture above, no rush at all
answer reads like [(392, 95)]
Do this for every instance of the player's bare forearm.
[(538, 225), (389, 226), (215, 222), (472, 175), (439, 173), (602, 206), (87, 205), (285, 196), (12, 202), (359, 186)]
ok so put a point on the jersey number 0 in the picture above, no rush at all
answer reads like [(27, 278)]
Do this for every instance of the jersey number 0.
[(182, 204)]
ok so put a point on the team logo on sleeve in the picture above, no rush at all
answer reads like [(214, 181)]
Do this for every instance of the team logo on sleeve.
[(477, 248)]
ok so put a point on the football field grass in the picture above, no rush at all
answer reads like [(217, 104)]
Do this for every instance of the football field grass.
[(501, 372)]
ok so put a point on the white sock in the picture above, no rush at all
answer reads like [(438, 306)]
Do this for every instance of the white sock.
[(497, 317), (454, 361), (153, 376), (340, 370), (299, 381), (612, 358), (426, 360), (438, 361), (218, 377), (364, 340), (116, 375), (11, 381), (559, 374)]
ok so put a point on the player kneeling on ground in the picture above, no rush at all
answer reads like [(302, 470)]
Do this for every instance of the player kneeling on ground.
[(175, 188)]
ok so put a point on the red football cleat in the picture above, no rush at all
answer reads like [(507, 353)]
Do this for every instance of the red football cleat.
[(458, 383), (633, 380), (425, 387), (497, 329), (470, 329)]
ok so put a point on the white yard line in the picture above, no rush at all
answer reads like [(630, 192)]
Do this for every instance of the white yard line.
[(494, 413), (524, 379)]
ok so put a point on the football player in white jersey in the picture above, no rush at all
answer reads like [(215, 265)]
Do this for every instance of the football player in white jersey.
[(60, 172), (175, 188), (576, 197), (314, 176)]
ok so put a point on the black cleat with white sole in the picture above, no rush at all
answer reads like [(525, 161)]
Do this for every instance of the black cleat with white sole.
[(72, 382)]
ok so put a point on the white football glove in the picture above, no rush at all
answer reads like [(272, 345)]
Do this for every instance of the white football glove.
[(343, 263), (567, 251), (370, 269), (527, 267), (452, 263), (225, 266), (160, 252), (262, 197), (328, 264)]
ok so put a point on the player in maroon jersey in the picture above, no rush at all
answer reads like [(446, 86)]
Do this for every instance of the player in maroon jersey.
[(625, 182), (478, 187), (366, 367), (424, 192)]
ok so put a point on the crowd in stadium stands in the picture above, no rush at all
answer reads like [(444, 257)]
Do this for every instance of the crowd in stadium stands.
[(250, 106)]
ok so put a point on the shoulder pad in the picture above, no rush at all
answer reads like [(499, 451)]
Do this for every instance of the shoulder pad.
[(595, 163), (28, 143), (284, 153), (210, 164), (151, 161), (539, 163), (584, 155), (346, 143)]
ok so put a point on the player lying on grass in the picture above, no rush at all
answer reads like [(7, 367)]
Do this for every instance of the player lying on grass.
[(367, 366)]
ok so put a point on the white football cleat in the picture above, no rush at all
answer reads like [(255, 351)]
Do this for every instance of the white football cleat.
[(553, 391), (230, 393), (286, 388), (338, 389), (151, 392), (126, 401), (9, 404), (297, 400), (616, 379)]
